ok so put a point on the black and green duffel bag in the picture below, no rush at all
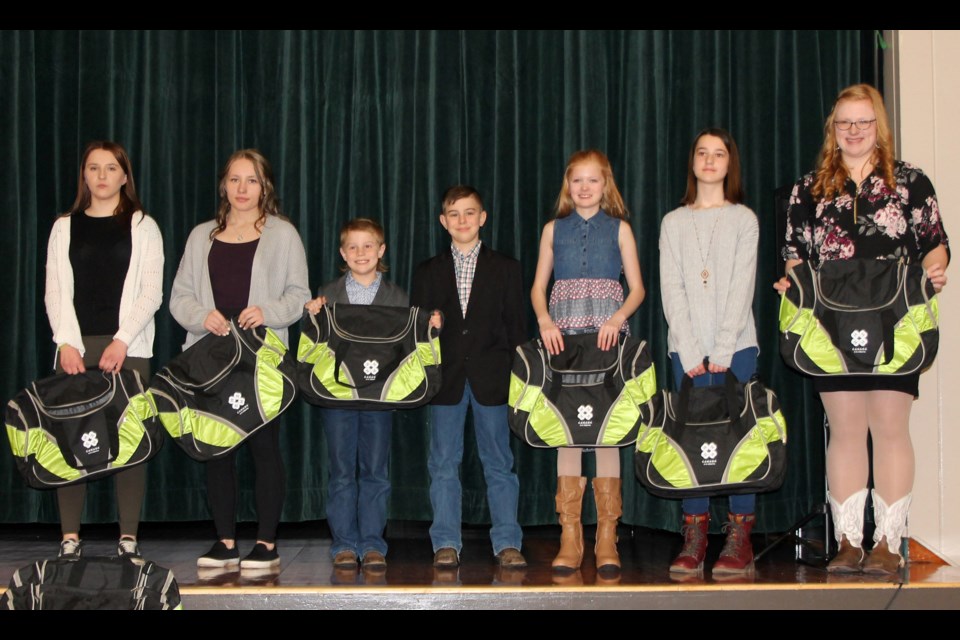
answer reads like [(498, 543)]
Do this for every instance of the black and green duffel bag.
[(68, 429), (717, 440), (92, 584), (368, 357), (581, 397), (859, 317), (217, 393)]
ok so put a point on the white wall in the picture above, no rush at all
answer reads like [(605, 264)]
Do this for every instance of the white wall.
[(923, 89)]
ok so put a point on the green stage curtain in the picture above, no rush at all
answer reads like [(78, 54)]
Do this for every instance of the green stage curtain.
[(377, 124)]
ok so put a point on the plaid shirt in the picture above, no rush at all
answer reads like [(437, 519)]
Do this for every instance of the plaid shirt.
[(359, 294), (465, 265)]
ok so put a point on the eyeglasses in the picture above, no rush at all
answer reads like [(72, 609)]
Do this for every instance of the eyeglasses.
[(861, 125)]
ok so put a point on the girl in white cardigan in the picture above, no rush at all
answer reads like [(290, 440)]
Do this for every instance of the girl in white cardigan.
[(104, 284)]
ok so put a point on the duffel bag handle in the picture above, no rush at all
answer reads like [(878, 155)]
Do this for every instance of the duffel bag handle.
[(729, 391)]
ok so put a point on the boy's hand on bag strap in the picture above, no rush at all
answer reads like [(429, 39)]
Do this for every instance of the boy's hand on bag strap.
[(436, 320), (314, 306)]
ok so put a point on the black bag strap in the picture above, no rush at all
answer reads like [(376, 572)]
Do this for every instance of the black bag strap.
[(734, 408), (888, 320)]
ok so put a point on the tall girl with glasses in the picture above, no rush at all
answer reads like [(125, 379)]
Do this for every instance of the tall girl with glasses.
[(708, 264), (861, 202)]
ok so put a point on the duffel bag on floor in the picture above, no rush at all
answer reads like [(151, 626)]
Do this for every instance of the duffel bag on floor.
[(92, 583), (857, 317), (68, 429), (717, 440), (221, 390), (581, 397), (368, 357)]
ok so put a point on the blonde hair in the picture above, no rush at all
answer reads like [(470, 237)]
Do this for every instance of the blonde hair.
[(370, 226), (831, 172), (611, 202)]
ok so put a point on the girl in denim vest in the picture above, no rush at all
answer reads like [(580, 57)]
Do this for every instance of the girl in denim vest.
[(586, 249)]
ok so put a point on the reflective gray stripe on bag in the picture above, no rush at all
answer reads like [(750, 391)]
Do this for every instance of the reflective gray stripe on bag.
[(221, 390), (67, 429), (716, 440), (368, 357), (581, 397)]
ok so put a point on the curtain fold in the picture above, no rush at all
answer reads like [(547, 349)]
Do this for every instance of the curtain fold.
[(378, 124)]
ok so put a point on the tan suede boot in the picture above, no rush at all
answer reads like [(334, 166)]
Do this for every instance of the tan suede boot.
[(569, 504), (606, 491)]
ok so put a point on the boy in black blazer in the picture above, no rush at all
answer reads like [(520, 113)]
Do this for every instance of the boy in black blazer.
[(480, 293)]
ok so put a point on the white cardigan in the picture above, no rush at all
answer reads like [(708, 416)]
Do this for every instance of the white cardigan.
[(142, 287)]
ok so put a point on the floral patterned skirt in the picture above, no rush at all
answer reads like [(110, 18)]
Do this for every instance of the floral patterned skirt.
[(582, 305)]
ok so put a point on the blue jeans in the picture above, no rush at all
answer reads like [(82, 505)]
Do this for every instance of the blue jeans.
[(357, 508), (743, 365), (446, 454)]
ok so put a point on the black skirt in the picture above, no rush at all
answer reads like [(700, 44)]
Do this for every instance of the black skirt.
[(905, 384)]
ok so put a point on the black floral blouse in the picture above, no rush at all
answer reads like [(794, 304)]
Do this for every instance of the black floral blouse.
[(873, 223)]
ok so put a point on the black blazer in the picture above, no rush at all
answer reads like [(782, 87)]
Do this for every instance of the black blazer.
[(388, 294), (480, 347)]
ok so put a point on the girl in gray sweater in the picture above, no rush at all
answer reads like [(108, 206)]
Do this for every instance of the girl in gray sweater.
[(708, 260)]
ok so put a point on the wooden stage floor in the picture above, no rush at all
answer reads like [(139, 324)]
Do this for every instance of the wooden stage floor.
[(789, 575)]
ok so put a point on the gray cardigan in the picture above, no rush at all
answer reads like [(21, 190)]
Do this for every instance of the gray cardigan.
[(278, 281)]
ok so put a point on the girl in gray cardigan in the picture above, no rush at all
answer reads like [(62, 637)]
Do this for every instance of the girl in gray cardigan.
[(248, 263), (708, 264)]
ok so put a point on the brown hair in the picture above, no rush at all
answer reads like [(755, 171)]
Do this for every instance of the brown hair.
[(732, 185), (458, 192), (269, 204), (370, 226), (129, 202), (611, 202), (831, 172)]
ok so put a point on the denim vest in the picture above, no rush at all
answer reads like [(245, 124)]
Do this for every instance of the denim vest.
[(586, 248)]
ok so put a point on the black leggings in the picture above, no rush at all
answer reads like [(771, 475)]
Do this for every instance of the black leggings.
[(269, 485)]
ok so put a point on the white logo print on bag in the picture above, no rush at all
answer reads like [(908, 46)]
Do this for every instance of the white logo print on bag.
[(370, 369), (90, 442), (858, 338), (238, 402), (708, 452), (585, 415)]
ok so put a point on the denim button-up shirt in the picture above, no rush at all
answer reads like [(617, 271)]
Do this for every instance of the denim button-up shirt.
[(586, 248)]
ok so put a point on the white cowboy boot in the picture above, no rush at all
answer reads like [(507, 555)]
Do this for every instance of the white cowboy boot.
[(891, 520), (848, 529)]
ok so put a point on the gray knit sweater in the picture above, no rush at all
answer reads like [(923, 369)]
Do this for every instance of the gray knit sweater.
[(278, 281), (715, 320)]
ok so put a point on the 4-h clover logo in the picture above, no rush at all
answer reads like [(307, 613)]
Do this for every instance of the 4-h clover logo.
[(89, 440), (371, 367), (708, 450), (858, 338), (585, 412), (236, 401)]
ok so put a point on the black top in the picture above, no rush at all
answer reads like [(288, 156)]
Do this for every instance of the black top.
[(230, 268), (100, 251)]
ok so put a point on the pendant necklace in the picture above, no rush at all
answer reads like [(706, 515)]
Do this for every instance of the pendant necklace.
[(705, 274)]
